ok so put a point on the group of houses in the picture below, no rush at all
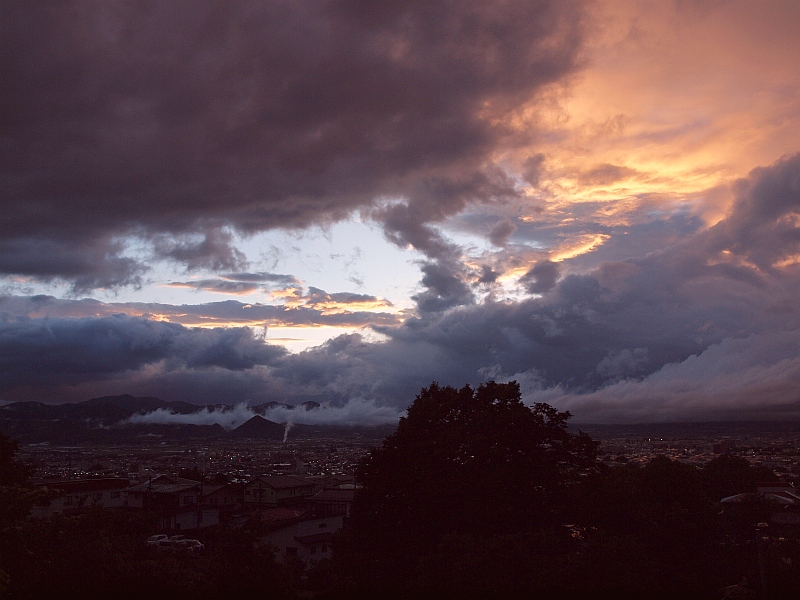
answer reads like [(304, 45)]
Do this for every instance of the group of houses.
[(783, 497), (298, 515)]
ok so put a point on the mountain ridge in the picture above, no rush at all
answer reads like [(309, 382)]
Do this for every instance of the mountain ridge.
[(107, 420)]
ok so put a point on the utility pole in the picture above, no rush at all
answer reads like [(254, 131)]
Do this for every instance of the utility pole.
[(200, 503), (759, 546)]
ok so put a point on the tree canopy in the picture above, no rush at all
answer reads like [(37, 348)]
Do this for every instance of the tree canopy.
[(466, 462)]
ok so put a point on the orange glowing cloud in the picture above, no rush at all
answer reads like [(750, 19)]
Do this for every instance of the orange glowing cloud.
[(676, 99), (578, 246)]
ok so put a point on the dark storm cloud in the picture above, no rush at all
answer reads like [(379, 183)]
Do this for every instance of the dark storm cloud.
[(501, 232), (71, 351), (211, 313), (532, 169), (752, 378), (488, 275), (406, 222), (213, 250), (95, 263), (176, 121), (763, 227), (445, 288), (541, 277), (693, 330), (614, 338)]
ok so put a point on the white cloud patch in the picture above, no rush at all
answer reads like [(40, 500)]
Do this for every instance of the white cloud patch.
[(756, 378), (229, 418), (355, 412)]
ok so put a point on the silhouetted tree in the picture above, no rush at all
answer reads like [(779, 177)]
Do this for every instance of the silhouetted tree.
[(727, 475), (650, 532), (12, 472), (466, 469), (16, 494)]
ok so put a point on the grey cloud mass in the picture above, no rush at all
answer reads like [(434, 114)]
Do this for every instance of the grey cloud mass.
[(240, 283), (175, 123), (15, 308), (501, 232), (541, 277), (644, 338), (37, 352), (170, 133)]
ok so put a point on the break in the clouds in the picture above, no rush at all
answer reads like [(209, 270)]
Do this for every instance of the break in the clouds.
[(600, 200), (172, 124)]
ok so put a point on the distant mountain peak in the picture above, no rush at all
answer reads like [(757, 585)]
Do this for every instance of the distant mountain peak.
[(259, 427)]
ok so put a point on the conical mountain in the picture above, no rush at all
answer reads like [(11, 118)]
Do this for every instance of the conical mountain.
[(260, 428)]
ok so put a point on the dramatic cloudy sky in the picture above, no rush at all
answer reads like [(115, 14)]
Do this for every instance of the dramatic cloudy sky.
[(344, 200)]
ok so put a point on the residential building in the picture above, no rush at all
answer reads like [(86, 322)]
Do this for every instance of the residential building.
[(277, 490), (79, 495)]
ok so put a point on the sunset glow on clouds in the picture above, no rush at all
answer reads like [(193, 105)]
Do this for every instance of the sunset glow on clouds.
[(343, 200)]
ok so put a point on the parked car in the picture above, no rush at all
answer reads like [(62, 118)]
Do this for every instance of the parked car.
[(154, 539), (166, 546), (177, 538), (193, 545)]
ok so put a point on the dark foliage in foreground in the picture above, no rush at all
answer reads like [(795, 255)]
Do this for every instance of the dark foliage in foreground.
[(466, 498), (477, 495), (474, 496), (102, 554)]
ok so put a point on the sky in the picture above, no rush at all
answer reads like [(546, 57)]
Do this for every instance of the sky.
[(343, 201)]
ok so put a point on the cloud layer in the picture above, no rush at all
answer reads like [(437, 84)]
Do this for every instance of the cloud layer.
[(563, 173), (174, 123), (707, 326), (354, 412)]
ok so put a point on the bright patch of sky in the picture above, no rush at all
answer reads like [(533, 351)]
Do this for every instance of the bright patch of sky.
[(348, 256)]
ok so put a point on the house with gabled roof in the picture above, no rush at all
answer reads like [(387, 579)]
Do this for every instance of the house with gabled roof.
[(783, 496), (335, 501), (79, 495), (176, 501), (294, 532), (277, 490)]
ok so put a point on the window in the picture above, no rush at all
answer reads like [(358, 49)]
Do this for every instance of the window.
[(97, 497), (323, 525), (115, 494), (188, 499), (313, 549), (324, 547), (67, 500), (291, 551)]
